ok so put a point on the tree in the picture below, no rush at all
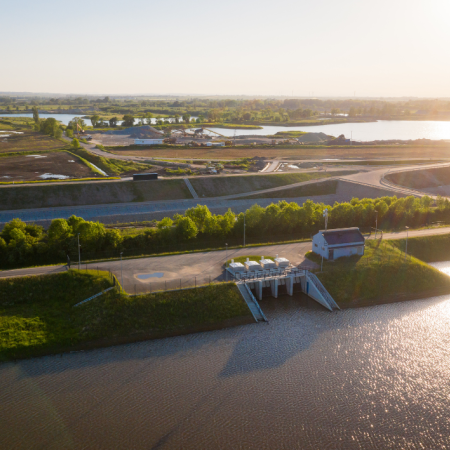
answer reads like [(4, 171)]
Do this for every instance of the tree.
[(75, 143), (186, 228), (187, 118), (94, 120), (59, 229), (50, 126), (128, 120), (199, 214), (15, 224), (35, 114), (113, 122)]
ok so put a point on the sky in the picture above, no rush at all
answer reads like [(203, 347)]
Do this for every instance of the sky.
[(347, 48)]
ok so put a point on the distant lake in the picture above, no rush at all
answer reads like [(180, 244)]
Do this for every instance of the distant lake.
[(371, 131)]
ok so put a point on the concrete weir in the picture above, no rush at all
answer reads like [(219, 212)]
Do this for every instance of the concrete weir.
[(273, 279)]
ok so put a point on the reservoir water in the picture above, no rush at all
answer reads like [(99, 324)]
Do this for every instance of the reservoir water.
[(372, 378), (371, 131)]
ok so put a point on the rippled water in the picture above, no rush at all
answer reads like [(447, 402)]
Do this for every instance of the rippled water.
[(360, 378)]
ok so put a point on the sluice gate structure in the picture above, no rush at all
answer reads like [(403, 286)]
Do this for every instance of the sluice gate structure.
[(291, 279)]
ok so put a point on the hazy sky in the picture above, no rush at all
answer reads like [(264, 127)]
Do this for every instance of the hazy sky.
[(252, 47)]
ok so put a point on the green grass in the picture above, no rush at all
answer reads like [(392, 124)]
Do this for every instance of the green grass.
[(36, 196), (110, 165), (324, 188), (37, 314), (214, 187), (382, 273), (426, 248)]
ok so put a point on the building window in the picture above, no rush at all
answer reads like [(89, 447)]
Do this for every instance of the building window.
[(315, 245)]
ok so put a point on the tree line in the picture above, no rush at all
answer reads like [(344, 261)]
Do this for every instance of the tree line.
[(24, 244)]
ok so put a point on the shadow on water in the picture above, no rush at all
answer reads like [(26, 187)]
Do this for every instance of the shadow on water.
[(295, 323)]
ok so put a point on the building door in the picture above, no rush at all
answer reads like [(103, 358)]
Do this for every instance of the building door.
[(331, 254)]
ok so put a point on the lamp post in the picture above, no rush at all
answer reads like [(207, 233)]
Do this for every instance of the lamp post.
[(121, 269), (376, 223), (406, 247), (325, 214), (79, 253), (226, 261), (244, 228)]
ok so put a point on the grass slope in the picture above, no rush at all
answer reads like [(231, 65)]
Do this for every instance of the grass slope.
[(22, 197), (212, 187), (427, 248), (418, 179), (37, 314), (325, 188), (380, 275), (111, 166)]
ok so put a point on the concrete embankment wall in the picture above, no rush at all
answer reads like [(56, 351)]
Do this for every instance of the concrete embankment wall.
[(143, 211), (346, 190)]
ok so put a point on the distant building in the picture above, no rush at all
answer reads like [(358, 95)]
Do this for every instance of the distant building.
[(333, 244), (148, 141)]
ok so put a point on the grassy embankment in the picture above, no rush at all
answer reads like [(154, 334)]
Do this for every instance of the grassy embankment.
[(381, 276), (419, 179), (300, 152), (22, 197), (37, 314), (426, 248), (220, 186), (323, 188)]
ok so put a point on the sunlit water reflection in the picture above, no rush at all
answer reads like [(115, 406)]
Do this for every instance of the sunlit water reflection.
[(359, 378)]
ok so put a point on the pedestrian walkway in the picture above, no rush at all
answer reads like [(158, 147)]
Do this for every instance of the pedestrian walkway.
[(190, 187)]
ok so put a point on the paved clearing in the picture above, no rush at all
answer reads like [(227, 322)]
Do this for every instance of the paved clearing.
[(203, 265), (32, 167)]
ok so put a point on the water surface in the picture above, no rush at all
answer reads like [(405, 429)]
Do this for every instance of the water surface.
[(360, 378)]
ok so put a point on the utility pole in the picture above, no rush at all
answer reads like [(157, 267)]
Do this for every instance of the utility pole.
[(79, 253), (121, 269), (406, 248), (325, 214)]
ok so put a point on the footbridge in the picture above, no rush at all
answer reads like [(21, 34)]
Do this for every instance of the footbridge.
[(291, 279)]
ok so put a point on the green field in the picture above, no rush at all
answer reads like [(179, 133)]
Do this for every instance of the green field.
[(37, 314), (22, 197), (220, 186)]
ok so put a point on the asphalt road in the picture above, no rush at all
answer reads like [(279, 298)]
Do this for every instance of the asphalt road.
[(200, 268)]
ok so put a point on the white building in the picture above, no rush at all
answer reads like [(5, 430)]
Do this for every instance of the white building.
[(333, 244), (148, 141)]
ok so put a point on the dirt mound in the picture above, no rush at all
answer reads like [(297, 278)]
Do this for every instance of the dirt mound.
[(314, 137), (143, 132)]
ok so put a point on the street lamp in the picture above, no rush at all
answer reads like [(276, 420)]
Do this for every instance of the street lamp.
[(79, 253), (226, 261), (325, 214), (121, 269), (376, 223), (406, 247), (244, 228)]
